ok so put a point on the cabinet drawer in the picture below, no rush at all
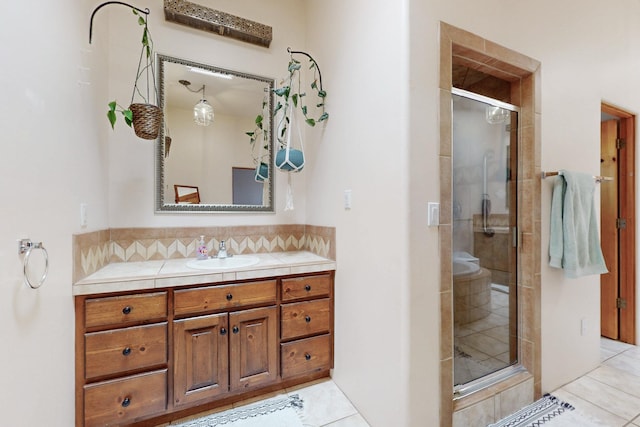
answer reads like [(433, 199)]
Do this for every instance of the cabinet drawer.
[(122, 350), (305, 287), (224, 297), (306, 356), (114, 311), (121, 401), (305, 318)]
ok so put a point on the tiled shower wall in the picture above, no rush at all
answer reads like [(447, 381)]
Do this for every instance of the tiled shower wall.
[(94, 250)]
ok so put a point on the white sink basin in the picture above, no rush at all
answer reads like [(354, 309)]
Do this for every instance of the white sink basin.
[(236, 261)]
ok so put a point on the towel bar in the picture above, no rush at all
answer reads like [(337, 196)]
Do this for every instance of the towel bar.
[(598, 178)]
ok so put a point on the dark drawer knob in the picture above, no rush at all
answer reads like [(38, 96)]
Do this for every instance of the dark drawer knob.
[(307, 356), (229, 297), (126, 402), (126, 351), (307, 288), (223, 331), (126, 310), (236, 329), (307, 319)]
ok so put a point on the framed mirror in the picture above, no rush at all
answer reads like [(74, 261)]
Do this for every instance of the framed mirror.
[(207, 153)]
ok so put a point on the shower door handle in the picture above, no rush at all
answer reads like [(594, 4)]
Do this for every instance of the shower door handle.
[(514, 236)]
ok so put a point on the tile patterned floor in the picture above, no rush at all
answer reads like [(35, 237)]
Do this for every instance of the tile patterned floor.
[(325, 405), (611, 392)]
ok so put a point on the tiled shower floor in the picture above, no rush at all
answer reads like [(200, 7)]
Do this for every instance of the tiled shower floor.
[(482, 347)]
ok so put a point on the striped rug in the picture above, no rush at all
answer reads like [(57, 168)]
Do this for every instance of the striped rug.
[(539, 413), (281, 411)]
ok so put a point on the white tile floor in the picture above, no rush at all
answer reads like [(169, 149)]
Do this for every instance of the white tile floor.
[(325, 405), (611, 392), (609, 395)]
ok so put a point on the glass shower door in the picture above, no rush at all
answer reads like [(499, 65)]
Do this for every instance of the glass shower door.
[(484, 224)]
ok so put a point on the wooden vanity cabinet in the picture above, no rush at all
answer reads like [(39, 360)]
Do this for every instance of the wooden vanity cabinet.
[(143, 356), (225, 352), (306, 316), (121, 358)]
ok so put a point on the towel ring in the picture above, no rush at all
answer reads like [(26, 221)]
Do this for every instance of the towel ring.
[(26, 246)]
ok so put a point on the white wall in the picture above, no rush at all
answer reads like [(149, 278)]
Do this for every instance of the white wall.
[(380, 142), (363, 148), (54, 157)]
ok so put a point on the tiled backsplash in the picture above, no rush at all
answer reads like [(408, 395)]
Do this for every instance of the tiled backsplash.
[(94, 250)]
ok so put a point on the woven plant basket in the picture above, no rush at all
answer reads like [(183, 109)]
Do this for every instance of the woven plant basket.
[(147, 119)]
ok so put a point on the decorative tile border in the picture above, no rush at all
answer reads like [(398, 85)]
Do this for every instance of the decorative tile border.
[(94, 250)]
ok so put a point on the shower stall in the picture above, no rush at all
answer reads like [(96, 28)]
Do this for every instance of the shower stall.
[(485, 144)]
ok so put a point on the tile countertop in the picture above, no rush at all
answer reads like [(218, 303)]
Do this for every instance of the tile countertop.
[(132, 276)]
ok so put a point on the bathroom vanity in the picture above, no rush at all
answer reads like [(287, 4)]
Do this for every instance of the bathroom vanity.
[(157, 340)]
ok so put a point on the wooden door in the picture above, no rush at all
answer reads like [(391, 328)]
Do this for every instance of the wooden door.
[(201, 368), (253, 352), (609, 290), (623, 317)]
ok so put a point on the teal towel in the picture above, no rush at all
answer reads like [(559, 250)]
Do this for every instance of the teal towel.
[(574, 243)]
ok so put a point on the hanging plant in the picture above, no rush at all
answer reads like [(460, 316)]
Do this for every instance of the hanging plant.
[(260, 133), (291, 96), (145, 117)]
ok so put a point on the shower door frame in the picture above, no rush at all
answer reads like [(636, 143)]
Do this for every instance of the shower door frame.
[(524, 75), (512, 182)]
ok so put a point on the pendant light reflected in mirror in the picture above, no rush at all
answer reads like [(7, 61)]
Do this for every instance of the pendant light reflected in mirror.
[(202, 111), (496, 115)]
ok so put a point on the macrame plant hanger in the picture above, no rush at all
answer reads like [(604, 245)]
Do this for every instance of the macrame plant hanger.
[(290, 158), (291, 166)]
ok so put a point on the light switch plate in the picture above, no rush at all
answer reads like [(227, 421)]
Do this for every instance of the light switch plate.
[(347, 199), (433, 214)]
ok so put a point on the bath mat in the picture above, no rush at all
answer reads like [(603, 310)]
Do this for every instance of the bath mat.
[(539, 413), (281, 411)]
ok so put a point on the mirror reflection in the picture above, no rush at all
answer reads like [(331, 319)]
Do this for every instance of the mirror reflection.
[(204, 147)]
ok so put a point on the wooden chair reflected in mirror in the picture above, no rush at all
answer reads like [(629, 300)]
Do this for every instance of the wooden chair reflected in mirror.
[(187, 194)]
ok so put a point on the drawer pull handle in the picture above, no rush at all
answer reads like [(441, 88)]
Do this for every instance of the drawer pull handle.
[(307, 319), (126, 351), (307, 288), (223, 331), (236, 329), (126, 310), (126, 402), (307, 356), (229, 297)]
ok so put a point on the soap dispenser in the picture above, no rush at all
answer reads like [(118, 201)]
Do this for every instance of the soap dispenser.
[(202, 252)]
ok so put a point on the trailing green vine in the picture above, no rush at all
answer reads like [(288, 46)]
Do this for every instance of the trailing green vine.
[(258, 132), (291, 93), (147, 51)]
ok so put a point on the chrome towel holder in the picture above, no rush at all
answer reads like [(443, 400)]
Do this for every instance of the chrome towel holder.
[(25, 247)]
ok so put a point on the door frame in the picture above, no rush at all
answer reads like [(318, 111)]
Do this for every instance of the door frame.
[(626, 210)]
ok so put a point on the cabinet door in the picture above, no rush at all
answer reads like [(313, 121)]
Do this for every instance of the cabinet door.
[(201, 369), (253, 356)]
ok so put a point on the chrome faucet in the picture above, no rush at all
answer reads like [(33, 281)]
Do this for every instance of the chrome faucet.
[(222, 251)]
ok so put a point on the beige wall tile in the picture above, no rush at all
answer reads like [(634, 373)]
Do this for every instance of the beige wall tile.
[(513, 399), (479, 415), (446, 325)]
